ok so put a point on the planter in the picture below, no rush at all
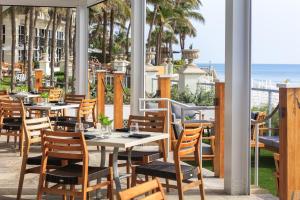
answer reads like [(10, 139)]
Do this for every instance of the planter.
[(190, 54)]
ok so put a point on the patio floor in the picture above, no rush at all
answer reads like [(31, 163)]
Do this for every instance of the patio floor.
[(10, 163)]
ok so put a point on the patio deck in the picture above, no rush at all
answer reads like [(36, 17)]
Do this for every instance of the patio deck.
[(10, 167)]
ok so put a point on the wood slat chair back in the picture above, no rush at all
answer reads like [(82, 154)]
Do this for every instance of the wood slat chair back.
[(12, 108), (55, 94), (87, 107), (277, 160), (45, 89), (3, 92), (74, 99), (148, 123), (143, 189), (7, 97)]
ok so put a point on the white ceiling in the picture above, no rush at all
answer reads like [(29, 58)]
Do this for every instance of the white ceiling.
[(50, 3)]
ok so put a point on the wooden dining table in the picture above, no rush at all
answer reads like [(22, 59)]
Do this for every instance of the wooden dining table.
[(120, 140), (46, 108)]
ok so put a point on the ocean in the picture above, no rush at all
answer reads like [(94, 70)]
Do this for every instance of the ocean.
[(276, 73)]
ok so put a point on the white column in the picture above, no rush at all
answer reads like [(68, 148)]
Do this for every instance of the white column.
[(81, 70), (138, 53), (237, 97)]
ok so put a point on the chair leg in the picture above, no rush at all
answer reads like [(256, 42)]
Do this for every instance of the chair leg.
[(22, 175), (110, 187), (7, 140), (167, 185), (64, 197), (128, 172), (201, 186), (21, 142), (133, 178), (180, 189), (72, 197)]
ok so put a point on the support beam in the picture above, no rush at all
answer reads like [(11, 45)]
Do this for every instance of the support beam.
[(164, 87), (39, 75), (289, 137), (118, 99), (219, 129), (138, 53), (81, 70), (44, 3), (237, 97), (101, 92)]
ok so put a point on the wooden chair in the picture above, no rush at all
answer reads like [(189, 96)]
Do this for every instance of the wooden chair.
[(3, 92), (12, 113), (45, 89), (208, 148), (61, 145), (32, 129), (276, 174), (145, 124), (189, 142), (143, 189), (55, 94), (86, 109)]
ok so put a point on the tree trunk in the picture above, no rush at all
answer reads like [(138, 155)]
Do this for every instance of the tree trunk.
[(104, 36), (158, 45), (151, 26), (1, 40), (111, 33), (67, 45), (46, 45), (70, 34), (74, 60), (127, 39), (13, 46), (30, 48), (25, 37), (53, 46)]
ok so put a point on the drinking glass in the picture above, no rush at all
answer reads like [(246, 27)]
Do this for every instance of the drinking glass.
[(295, 195), (61, 100), (79, 127), (134, 128)]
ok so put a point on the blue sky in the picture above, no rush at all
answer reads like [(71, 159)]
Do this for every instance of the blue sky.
[(275, 34)]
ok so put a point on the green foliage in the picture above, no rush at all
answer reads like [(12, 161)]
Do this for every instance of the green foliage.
[(265, 108), (45, 95), (104, 120), (200, 98)]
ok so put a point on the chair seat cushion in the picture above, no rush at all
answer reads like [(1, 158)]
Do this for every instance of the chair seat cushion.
[(206, 149), (72, 174), (139, 155), (12, 126), (70, 122), (165, 170), (37, 160), (271, 141)]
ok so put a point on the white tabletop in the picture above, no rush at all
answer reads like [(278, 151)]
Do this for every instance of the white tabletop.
[(51, 106), (25, 95), (119, 139)]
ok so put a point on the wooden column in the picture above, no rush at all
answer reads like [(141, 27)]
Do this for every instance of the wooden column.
[(39, 75), (219, 129), (101, 92), (164, 86), (289, 135), (118, 99)]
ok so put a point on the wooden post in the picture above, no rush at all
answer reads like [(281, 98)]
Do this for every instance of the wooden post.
[(164, 87), (118, 99), (219, 129), (101, 92), (289, 136), (39, 75)]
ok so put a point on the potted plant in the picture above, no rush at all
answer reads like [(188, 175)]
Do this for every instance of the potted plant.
[(45, 96), (105, 123)]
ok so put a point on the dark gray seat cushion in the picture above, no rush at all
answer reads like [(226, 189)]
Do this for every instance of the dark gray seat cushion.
[(271, 141), (176, 109)]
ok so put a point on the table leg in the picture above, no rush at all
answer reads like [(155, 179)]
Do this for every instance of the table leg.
[(102, 164), (116, 170)]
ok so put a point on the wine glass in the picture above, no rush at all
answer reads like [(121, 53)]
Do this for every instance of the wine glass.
[(79, 127), (134, 128)]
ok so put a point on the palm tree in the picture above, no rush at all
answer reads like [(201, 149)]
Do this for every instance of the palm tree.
[(25, 35), (46, 45), (104, 35), (1, 39), (67, 44), (13, 46), (30, 47), (53, 46)]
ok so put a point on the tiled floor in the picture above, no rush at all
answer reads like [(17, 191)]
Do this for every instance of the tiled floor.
[(10, 163)]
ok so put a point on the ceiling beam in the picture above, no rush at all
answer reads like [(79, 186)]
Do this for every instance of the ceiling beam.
[(93, 2), (44, 3)]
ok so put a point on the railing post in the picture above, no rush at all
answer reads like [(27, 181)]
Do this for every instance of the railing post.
[(219, 129), (118, 99), (39, 75), (289, 115), (101, 92), (269, 111), (164, 87)]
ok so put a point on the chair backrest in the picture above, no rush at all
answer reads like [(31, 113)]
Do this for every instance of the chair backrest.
[(276, 160), (86, 108), (33, 129), (189, 143), (258, 117), (11, 108), (45, 89), (143, 189), (55, 94), (148, 123), (3, 92), (64, 145), (72, 98), (7, 97)]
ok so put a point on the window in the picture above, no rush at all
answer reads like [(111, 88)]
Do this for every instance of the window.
[(21, 55), (21, 34), (60, 35), (58, 54)]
